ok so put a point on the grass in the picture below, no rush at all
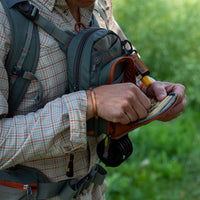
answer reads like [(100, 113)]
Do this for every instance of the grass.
[(165, 164)]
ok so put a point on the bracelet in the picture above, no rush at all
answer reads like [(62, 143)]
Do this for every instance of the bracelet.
[(94, 103)]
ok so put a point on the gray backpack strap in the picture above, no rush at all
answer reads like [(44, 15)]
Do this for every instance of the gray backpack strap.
[(74, 188), (32, 13), (23, 56), (70, 189), (63, 37), (31, 179)]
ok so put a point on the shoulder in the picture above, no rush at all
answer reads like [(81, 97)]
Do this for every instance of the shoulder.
[(2, 11), (4, 23), (105, 4), (5, 30)]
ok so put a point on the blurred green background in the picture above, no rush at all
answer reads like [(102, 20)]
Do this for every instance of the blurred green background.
[(165, 164)]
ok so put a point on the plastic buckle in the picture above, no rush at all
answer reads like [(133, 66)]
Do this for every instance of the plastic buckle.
[(84, 183), (28, 10), (17, 71)]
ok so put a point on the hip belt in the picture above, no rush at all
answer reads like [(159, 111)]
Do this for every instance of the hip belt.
[(66, 189)]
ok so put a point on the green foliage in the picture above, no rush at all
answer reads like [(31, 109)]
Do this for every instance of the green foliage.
[(166, 34), (165, 163)]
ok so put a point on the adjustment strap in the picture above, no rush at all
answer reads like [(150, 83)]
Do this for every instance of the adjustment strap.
[(75, 187), (51, 29), (18, 68), (70, 189), (32, 13)]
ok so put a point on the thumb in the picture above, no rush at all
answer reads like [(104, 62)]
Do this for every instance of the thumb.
[(157, 90), (160, 94)]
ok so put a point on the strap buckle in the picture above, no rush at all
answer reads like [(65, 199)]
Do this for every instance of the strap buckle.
[(97, 176), (83, 183), (27, 10), (17, 71), (75, 187)]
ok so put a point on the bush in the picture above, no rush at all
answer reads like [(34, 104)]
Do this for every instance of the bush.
[(165, 163), (166, 34)]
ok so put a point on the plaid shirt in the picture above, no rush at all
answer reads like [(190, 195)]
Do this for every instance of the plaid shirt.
[(44, 139)]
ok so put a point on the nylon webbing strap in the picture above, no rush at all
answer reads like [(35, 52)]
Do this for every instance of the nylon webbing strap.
[(32, 13), (23, 54), (61, 36), (28, 74), (26, 45), (48, 190), (71, 188)]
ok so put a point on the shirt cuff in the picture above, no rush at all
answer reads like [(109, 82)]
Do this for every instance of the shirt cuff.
[(76, 109)]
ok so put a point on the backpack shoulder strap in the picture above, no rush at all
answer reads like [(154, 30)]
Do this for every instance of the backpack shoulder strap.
[(32, 13), (23, 56)]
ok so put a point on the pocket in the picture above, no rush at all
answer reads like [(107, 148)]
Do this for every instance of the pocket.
[(115, 71), (105, 50), (107, 43)]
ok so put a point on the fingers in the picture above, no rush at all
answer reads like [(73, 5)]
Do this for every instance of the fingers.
[(177, 109), (131, 114), (157, 90), (180, 91), (123, 103), (143, 105), (136, 104)]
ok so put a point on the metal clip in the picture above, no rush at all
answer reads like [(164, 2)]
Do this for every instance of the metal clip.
[(29, 193), (127, 47), (28, 10)]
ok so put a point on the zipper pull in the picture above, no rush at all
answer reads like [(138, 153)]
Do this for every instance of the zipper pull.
[(70, 168), (106, 146)]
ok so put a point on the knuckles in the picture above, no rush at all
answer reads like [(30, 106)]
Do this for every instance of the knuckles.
[(118, 117), (143, 114)]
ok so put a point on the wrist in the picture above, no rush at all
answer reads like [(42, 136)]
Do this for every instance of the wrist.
[(90, 112), (91, 104)]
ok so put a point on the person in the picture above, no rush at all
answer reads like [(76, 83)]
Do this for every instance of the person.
[(45, 138)]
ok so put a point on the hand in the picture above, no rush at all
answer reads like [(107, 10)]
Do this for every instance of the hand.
[(159, 90), (123, 103)]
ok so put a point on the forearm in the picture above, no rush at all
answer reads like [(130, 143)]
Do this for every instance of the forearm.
[(55, 130)]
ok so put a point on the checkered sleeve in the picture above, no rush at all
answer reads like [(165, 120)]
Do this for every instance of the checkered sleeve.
[(56, 129), (53, 131)]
